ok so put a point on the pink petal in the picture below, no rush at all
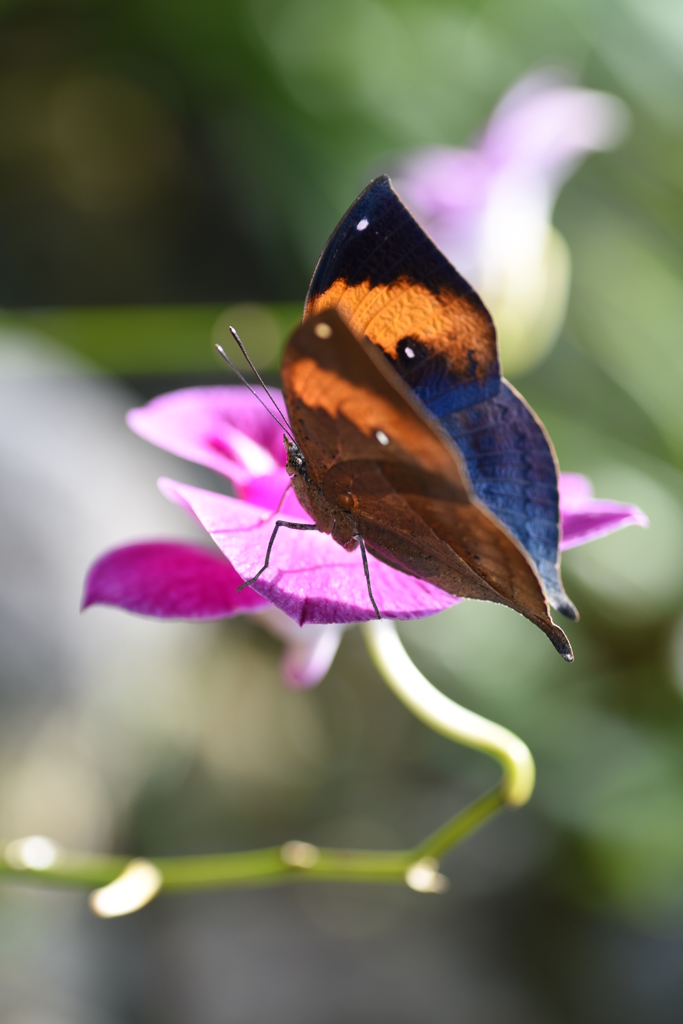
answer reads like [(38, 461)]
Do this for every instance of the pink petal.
[(574, 488), (546, 125), (306, 663), (309, 650), (223, 427), (311, 577), (169, 581), (442, 181), (586, 518), (537, 135), (274, 491)]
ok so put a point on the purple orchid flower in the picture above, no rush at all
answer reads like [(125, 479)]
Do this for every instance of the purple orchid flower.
[(489, 208), (318, 585)]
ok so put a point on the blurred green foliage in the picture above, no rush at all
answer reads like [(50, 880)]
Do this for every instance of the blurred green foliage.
[(139, 340), (201, 153), (167, 152)]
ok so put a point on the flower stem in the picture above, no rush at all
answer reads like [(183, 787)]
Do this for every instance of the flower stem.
[(450, 719), (125, 885)]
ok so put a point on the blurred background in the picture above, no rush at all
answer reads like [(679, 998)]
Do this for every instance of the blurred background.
[(166, 168)]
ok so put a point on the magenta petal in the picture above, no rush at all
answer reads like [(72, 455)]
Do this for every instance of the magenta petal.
[(224, 428), (169, 581), (309, 650), (586, 518), (274, 492), (311, 577), (574, 488), (305, 663)]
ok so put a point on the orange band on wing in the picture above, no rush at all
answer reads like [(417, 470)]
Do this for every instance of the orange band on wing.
[(449, 324)]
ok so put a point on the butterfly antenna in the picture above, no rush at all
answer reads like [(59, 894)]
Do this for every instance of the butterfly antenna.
[(258, 375), (282, 425)]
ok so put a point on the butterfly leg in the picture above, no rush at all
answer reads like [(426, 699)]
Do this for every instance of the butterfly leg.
[(284, 495), (366, 569), (279, 523)]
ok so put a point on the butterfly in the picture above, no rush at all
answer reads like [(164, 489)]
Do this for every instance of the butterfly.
[(406, 440)]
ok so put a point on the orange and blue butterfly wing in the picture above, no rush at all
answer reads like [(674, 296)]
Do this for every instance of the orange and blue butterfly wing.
[(391, 284)]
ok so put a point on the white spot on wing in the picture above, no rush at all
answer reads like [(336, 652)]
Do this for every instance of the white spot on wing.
[(322, 330), (362, 224), (382, 437), (409, 352)]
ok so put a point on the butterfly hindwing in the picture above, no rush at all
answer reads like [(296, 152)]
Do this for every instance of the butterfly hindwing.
[(370, 449), (512, 468)]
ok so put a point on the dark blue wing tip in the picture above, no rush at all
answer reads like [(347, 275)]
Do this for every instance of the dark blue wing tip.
[(567, 608), (565, 649), (379, 190), (382, 183), (378, 236)]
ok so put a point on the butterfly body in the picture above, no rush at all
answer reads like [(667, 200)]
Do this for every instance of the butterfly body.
[(405, 435), (336, 517)]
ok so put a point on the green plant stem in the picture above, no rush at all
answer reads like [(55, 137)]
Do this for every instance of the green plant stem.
[(74, 869), (461, 826), (215, 871), (450, 719), (276, 865)]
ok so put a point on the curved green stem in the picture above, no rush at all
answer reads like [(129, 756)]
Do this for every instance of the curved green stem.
[(126, 885), (450, 719)]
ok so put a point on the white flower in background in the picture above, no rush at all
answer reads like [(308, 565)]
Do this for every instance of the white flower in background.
[(489, 208)]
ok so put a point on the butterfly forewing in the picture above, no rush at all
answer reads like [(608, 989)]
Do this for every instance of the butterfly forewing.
[(392, 285)]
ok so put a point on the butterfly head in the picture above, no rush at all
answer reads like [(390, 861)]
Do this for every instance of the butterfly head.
[(296, 463)]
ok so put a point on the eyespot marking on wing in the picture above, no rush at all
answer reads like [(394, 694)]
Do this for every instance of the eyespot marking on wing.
[(392, 283), (382, 437), (389, 313)]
